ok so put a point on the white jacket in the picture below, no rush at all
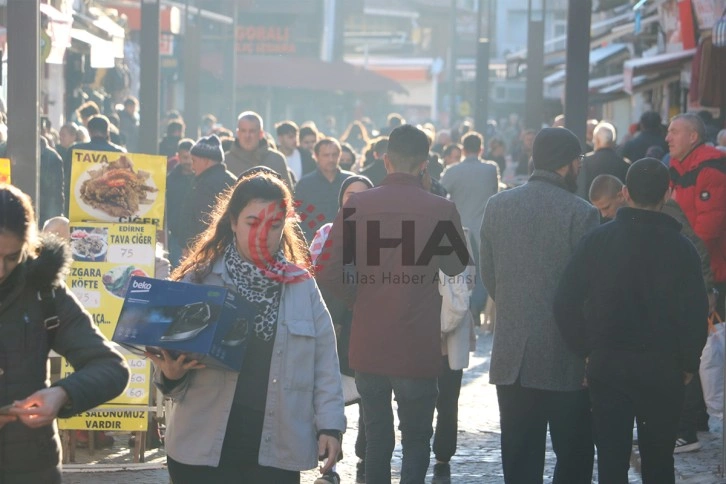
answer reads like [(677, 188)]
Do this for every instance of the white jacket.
[(304, 393), (457, 324)]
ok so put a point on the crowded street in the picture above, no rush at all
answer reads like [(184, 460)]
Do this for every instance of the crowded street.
[(362, 241)]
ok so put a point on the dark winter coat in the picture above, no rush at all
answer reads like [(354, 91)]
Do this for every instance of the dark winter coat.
[(51, 201), (635, 284), (636, 148), (604, 161), (200, 202), (178, 187), (100, 372)]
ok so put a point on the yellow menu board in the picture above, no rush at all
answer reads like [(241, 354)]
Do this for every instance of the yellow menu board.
[(5, 170), (122, 413), (105, 257), (117, 187)]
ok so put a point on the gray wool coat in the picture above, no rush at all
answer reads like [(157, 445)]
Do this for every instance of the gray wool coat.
[(527, 237)]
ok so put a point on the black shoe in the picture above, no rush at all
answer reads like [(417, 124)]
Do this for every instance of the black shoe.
[(360, 472), (329, 477), (442, 474)]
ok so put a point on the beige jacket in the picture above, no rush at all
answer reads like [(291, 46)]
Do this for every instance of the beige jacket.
[(304, 394), (239, 160)]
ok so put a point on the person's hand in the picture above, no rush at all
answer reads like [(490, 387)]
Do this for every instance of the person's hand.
[(173, 369), (40, 408), (5, 419), (687, 377), (328, 449), (711, 302)]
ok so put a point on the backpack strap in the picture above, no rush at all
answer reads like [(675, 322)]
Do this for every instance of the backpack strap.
[(51, 321), (688, 179)]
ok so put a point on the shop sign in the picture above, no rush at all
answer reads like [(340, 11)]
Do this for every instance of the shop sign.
[(105, 258)]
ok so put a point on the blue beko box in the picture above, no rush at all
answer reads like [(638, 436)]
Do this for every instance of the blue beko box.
[(208, 323)]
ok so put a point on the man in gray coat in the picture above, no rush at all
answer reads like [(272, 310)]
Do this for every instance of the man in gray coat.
[(527, 237), (470, 184)]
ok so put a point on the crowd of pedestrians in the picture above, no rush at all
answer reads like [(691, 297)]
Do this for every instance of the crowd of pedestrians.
[(373, 255)]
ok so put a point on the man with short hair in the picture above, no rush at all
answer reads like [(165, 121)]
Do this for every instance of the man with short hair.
[(698, 172), (86, 111), (98, 130), (527, 238), (169, 143), (308, 136), (638, 317), (603, 160), (211, 179), (451, 154), (317, 193), (299, 161), (179, 184), (393, 121), (651, 134), (606, 194), (393, 238), (129, 123), (250, 148), (470, 185)]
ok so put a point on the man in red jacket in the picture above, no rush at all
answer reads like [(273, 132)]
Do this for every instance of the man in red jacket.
[(698, 175), (387, 245)]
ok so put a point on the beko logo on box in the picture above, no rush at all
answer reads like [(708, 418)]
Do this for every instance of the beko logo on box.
[(140, 286)]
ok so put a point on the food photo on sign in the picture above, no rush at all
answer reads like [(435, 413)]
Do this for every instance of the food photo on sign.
[(117, 187)]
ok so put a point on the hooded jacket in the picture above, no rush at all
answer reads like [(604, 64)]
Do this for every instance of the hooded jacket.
[(100, 372), (703, 200), (240, 160)]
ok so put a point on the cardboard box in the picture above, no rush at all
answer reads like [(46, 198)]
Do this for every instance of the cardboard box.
[(209, 323)]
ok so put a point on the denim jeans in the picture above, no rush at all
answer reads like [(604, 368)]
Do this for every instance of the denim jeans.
[(416, 398)]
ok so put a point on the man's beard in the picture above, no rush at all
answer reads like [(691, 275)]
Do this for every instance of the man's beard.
[(571, 179)]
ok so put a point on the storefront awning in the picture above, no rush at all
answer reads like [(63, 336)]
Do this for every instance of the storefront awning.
[(303, 73), (102, 51), (657, 64)]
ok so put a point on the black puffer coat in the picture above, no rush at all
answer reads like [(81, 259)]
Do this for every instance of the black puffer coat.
[(33, 455)]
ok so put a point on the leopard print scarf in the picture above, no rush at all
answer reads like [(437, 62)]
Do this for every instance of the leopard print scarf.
[(254, 284)]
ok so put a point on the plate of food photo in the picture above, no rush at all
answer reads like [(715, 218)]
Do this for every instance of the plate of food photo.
[(88, 246), (115, 190), (116, 281)]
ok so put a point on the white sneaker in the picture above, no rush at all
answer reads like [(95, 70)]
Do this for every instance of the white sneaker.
[(683, 445)]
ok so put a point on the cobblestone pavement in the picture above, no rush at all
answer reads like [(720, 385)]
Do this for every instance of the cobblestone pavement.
[(478, 457)]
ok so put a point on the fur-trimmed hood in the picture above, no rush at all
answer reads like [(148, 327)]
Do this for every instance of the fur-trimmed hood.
[(52, 264)]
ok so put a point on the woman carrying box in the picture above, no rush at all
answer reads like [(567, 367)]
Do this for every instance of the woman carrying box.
[(284, 409)]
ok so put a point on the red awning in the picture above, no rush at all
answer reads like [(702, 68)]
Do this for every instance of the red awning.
[(303, 73)]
